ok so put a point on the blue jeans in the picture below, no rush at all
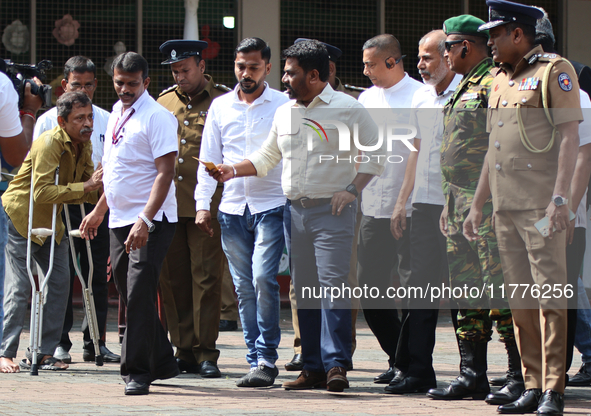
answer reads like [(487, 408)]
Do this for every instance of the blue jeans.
[(253, 244), (320, 247), (583, 334), (3, 241)]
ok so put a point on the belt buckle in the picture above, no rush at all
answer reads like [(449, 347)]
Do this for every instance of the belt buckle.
[(303, 202)]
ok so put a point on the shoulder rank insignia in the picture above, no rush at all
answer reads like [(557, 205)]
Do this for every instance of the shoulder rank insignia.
[(169, 89), (565, 82), (528, 84), (467, 96), (532, 59), (223, 87), (353, 87)]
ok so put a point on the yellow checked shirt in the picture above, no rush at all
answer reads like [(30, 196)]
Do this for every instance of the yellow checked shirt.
[(191, 115), (520, 179), (52, 149)]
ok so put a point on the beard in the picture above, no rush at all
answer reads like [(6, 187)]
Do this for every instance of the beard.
[(249, 90), (436, 76)]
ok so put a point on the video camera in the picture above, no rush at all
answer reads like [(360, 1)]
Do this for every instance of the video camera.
[(23, 74)]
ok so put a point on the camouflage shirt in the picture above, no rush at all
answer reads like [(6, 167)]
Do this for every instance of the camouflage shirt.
[(465, 140)]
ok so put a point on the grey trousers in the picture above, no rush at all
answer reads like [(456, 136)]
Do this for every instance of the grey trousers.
[(17, 292)]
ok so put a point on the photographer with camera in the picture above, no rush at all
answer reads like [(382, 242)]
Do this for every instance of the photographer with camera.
[(16, 132)]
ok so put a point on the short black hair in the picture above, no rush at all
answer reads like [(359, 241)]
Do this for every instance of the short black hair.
[(80, 64), (131, 62), (254, 44), (67, 101), (311, 54), (529, 31), (386, 43)]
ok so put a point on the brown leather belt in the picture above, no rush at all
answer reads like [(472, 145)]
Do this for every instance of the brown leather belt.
[(310, 203)]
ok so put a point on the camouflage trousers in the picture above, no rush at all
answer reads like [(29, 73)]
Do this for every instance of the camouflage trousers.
[(476, 265)]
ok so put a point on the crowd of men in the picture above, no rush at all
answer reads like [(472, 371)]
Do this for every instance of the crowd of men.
[(175, 186)]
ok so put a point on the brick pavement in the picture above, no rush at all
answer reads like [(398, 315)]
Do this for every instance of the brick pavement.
[(85, 389)]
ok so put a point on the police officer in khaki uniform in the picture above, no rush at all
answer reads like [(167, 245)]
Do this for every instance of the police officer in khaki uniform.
[(296, 363), (531, 158), (191, 278)]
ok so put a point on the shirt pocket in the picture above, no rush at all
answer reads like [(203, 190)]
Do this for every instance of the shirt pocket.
[(524, 164)]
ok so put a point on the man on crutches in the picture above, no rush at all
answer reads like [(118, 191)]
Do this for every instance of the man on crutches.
[(67, 147)]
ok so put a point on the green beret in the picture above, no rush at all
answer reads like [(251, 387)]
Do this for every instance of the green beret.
[(465, 24)]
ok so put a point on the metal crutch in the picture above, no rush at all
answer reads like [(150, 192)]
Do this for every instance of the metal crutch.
[(86, 288), (37, 295)]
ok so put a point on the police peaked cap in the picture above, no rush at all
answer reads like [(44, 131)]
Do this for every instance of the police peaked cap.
[(179, 50)]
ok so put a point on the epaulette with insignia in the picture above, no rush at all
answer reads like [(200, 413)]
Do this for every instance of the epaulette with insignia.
[(354, 88), (167, 90), (547, 56), (223, 87)]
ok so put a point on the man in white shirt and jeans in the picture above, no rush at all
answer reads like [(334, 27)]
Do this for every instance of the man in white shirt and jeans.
[(138, 177), (80, 75), (251, 211), (378, 252), (321, 209)]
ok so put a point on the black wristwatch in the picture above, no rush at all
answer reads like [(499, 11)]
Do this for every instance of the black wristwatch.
[(352, 189)]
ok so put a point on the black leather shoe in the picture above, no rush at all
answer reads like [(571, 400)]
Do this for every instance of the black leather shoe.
[(226, 325), (527, 403), (581, 379), (411, 384), (108, 355), (187, 367), (551, 403), (386, 377), (507, 394), (296, 363), (209, 369), (135, 388)]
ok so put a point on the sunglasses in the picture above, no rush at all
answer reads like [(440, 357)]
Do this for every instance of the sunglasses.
[(450, 43)]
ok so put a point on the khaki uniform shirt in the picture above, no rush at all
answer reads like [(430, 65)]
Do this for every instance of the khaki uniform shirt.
[(349, 89), (191, 115), (520, 179), (52, 149)]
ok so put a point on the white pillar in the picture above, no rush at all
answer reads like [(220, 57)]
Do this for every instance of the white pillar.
[(191, 25)]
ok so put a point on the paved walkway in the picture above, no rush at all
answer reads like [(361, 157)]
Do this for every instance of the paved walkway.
[(85, 389)]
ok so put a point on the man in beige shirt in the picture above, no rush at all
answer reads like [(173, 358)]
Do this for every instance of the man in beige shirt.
[(321, 184)]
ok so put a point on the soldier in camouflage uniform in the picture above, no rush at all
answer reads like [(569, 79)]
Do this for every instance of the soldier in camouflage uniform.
[(472, 264)]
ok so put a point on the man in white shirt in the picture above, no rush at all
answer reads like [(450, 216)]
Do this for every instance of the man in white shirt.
[(251, 211), (321, 184), (414, 356), (378, 251), (138, 172), (80, 75)]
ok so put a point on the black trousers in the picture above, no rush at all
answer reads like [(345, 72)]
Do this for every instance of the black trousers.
[(575, 254), (100, 287), (428, 265), (378, 253), (146, 353)]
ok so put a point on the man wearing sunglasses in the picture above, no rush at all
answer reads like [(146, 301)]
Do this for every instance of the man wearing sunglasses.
[(471, 263)]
